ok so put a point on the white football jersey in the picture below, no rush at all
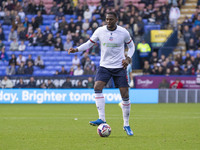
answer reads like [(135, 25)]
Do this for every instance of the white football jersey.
[(112, 45)]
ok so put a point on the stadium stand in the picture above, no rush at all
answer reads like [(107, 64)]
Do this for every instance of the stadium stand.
[(44, 44)]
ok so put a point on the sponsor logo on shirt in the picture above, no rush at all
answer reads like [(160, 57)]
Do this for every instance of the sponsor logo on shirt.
[(111, 45)]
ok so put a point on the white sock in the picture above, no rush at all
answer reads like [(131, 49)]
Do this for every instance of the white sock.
[(100, 103), (126, 107)]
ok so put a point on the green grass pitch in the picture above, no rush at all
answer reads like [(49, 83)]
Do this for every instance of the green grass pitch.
[(54, 127)]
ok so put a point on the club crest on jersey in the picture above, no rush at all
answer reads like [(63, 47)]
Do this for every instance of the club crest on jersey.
[(111, 38)]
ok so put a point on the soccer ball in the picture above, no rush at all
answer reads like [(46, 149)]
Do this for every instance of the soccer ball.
[(104, 130)]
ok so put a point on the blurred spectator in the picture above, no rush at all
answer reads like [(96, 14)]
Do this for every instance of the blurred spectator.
[(55, 25), (144, 50), (50, 85), (188, 57), (67, 84), (21, 84), (60, 13), (7, 18), (90, 83), (86, 25), (58, 45), (176, 84), (31, 7), (79, 22), (40, 7), (176, 68), (154, 58), (21, 69), (29, 59), (32, 83), (197, 22), (34, 24), (162, 59), (79, 85), (87, 63), (2, 36), (49, 41), (164, 84), (87, 14), (21, 14), (29, 69), (10, 70), (14, 45), (39, 18), (75, 61), (146, 68), (93, 67), (179, 59), (78, 71), (22, 34), (62, 24), (16, 22), (3, 55), (13, 60), (1, 44), (22, 46), (168, 72), (174, 14), (190, 67), (191, 45), (68, 44), (63, 71), (12, 35), (83, 59), (65, 30), (129, 74), (6, 83), (71, 71), (39, 62), (87, 71), (42, 86), (54, 8), (185, 71)]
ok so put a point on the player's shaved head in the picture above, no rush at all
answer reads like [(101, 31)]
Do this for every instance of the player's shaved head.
[(112, 13)]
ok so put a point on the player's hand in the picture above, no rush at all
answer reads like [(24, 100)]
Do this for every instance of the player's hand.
[(125, 63), (72, 50)]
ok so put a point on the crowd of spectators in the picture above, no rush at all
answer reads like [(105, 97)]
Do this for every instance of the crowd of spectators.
[(21, 83), (77, 30), (165, 66)]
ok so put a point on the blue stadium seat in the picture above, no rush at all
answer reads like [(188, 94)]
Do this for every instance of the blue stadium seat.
[(6, 28), (97, 16), (6, 43), (73, 16), (43, 27), (51, 17), (99, 21), (46, 22), (30, 48), (191, 52), (46, 48), (145, 21), (9, 53), (89, 32), (38, 48), (148, 28), (197, 52), (30, 17)]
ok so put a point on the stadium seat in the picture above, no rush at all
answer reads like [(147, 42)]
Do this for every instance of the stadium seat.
[(38, 48), (191, 52), (30, 48), (46, 48)]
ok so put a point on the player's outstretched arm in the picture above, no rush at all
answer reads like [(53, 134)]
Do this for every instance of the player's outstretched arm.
[(72, 50)]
